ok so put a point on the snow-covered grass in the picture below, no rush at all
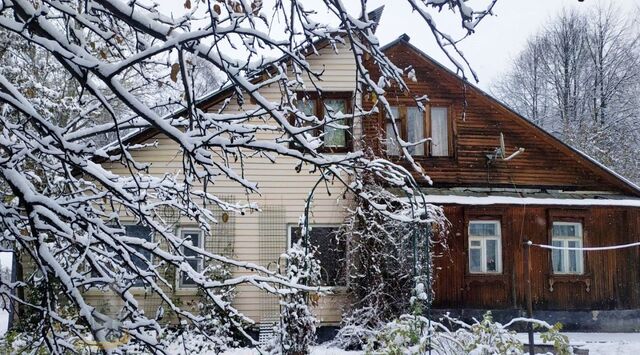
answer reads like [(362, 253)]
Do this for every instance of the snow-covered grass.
[(601, 343), (597, 343), (316, 350)]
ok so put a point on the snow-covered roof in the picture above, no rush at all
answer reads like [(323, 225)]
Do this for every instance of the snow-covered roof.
[(499, 196)]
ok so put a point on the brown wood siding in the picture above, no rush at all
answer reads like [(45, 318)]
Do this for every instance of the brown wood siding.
[(613, 277), (476, 131)]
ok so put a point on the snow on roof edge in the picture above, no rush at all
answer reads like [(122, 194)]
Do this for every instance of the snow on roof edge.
[(510, 200)]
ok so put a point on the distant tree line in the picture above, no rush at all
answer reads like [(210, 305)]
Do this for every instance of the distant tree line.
[(579, 78)]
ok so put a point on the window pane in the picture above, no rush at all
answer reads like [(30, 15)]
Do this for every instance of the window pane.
[(392, 142), (475, 243), (573, 261), (492, 255), (335, 137), (415, 129), (573, 256), (564, 230), (474, 260), (142, 232), (191, 238), (556, 257), (480, 229), (308, 107), (439, 132), (186, 280)]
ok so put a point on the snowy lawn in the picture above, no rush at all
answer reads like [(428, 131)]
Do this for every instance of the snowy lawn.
[(601, 343), (597, 343), (317, 350)]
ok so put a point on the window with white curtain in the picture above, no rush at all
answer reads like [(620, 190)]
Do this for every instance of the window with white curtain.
[(415, 130), (393, 147), (439, 131), (413, 127), (567, 235), (485, 247)]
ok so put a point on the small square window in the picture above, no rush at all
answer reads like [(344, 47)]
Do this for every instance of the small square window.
[(485, 247), (331, 109)]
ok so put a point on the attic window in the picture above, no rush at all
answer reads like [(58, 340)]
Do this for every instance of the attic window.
[(415, 125), (329, 105)]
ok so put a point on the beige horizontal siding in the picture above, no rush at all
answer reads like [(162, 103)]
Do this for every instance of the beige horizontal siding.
[(279, 185)]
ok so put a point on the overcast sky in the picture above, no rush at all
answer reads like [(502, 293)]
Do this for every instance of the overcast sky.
[(497, 40)]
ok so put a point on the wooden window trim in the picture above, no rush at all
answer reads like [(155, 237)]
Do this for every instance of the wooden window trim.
[(319, 113), (483, 247), (486, 214), (573, 216), (426, 114)]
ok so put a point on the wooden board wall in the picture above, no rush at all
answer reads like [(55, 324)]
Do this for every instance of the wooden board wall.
[(613, 277), (476, 131)]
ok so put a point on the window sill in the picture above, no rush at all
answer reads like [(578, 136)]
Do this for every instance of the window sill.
[(553, 279), (186, 291)]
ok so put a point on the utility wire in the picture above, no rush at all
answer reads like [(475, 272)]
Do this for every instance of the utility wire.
[(612, 247)]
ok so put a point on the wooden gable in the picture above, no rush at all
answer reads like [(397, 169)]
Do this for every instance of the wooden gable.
[(477, 121)]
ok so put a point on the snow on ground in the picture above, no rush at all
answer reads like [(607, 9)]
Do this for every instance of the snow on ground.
[(5, 263), (317, 350), (597, 343), (600, 343)]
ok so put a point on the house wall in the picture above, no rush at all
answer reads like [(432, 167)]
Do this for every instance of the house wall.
[(477, 124), (611, 279), (261, 237)]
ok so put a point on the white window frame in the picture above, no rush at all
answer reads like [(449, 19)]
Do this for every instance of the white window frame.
[(200, 260), (564, 253), (483, 248)]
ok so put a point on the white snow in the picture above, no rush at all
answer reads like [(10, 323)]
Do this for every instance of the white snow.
[(316, 350), (600, 343), (509, 200), (5, 263)]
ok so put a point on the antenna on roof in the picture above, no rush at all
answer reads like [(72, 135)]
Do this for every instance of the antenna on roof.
[(501, 152)]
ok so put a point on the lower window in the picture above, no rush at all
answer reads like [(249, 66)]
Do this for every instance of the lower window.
[(567, 235), (330, 252), (193, 237), (485, 247)]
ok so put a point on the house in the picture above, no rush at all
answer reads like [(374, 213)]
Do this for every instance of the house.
[(548, 193)]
